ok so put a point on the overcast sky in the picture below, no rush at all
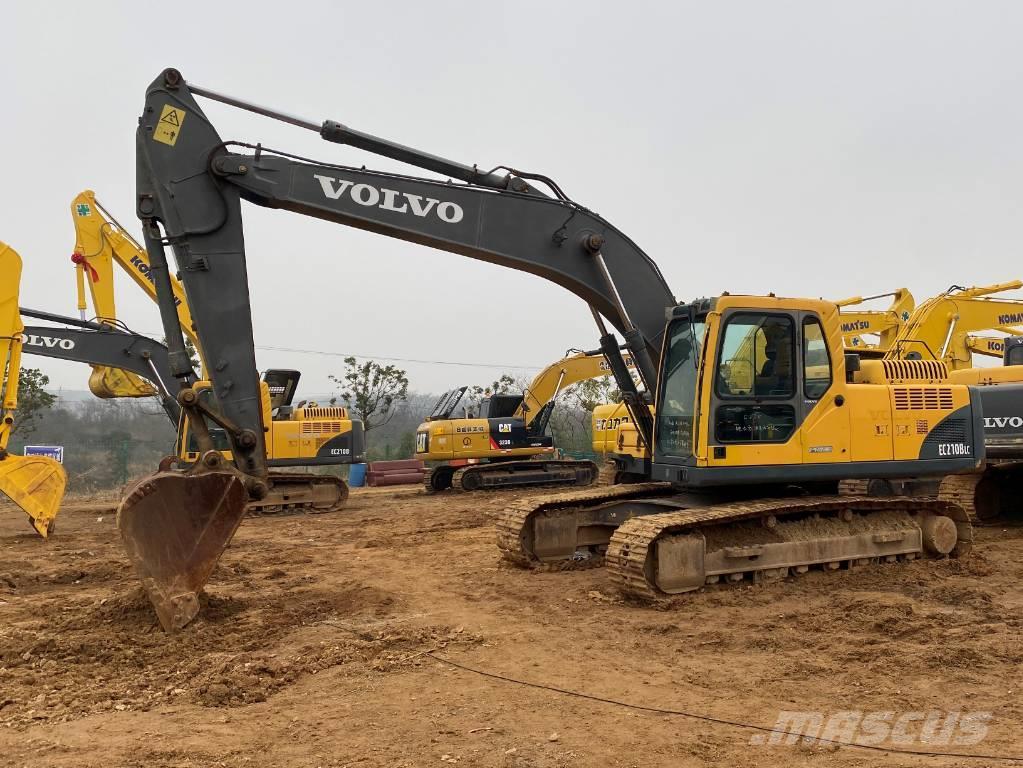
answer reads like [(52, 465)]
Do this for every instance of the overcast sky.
[(806, 148)]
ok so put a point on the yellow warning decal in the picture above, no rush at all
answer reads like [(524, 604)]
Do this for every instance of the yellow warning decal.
[(169, 127)]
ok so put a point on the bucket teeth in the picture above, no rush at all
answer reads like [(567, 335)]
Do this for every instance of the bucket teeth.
[(175, 527)]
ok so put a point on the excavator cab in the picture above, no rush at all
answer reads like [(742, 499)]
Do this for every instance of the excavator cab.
[(753, 389), (1013, 354), (34, 483), (282, 384), (499, 406)]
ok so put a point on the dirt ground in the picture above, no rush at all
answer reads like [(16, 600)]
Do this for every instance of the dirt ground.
[(312, 651)]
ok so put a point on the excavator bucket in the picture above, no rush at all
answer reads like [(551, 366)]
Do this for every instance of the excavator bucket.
[(36, 484), (109, 383), (175, 527)]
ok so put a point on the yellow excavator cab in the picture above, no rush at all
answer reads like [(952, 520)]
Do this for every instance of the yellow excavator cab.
[(34, 483)]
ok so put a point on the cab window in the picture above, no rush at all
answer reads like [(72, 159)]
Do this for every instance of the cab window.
[(221, 441), (756, 365), (676, 409), (756, 358), (816, 360)]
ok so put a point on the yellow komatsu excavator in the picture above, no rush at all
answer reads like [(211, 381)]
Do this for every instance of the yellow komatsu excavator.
[(34, 483), (99, 241), (747, 453), (990, 346), (507, 432), (944, 327), (882, 324), (297, 436)]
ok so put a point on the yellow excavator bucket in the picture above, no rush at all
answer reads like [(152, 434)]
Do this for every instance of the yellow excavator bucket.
[(175, 526), (36, 484), (109, 383)]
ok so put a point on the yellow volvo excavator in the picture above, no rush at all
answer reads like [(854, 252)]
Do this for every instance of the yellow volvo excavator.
[(942, 330), (747, 453), (508, 432), (34, 483), (297, 436)]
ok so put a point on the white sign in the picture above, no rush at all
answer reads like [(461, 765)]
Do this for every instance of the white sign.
[(55, 452)]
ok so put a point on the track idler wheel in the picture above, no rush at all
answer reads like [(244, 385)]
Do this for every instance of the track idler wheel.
[(175, 527), (939, 534), (471, 481), (438, 479)]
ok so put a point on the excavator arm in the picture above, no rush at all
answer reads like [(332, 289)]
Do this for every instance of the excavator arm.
[(559, 376), (191, 183), (942, 326), (100, 242), (99, 345), (991, 346), (883, 323), (34, 483)]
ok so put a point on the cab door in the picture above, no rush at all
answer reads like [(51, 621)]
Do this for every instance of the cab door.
[(756, 405), (824, 436)]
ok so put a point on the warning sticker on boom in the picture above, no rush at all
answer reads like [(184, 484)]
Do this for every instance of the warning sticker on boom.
[(169, 127)]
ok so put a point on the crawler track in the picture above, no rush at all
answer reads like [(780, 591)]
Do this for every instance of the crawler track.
[(516, 536), (300, 494), (991, 495), (512, 475), (654, 556), (962, 490)]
